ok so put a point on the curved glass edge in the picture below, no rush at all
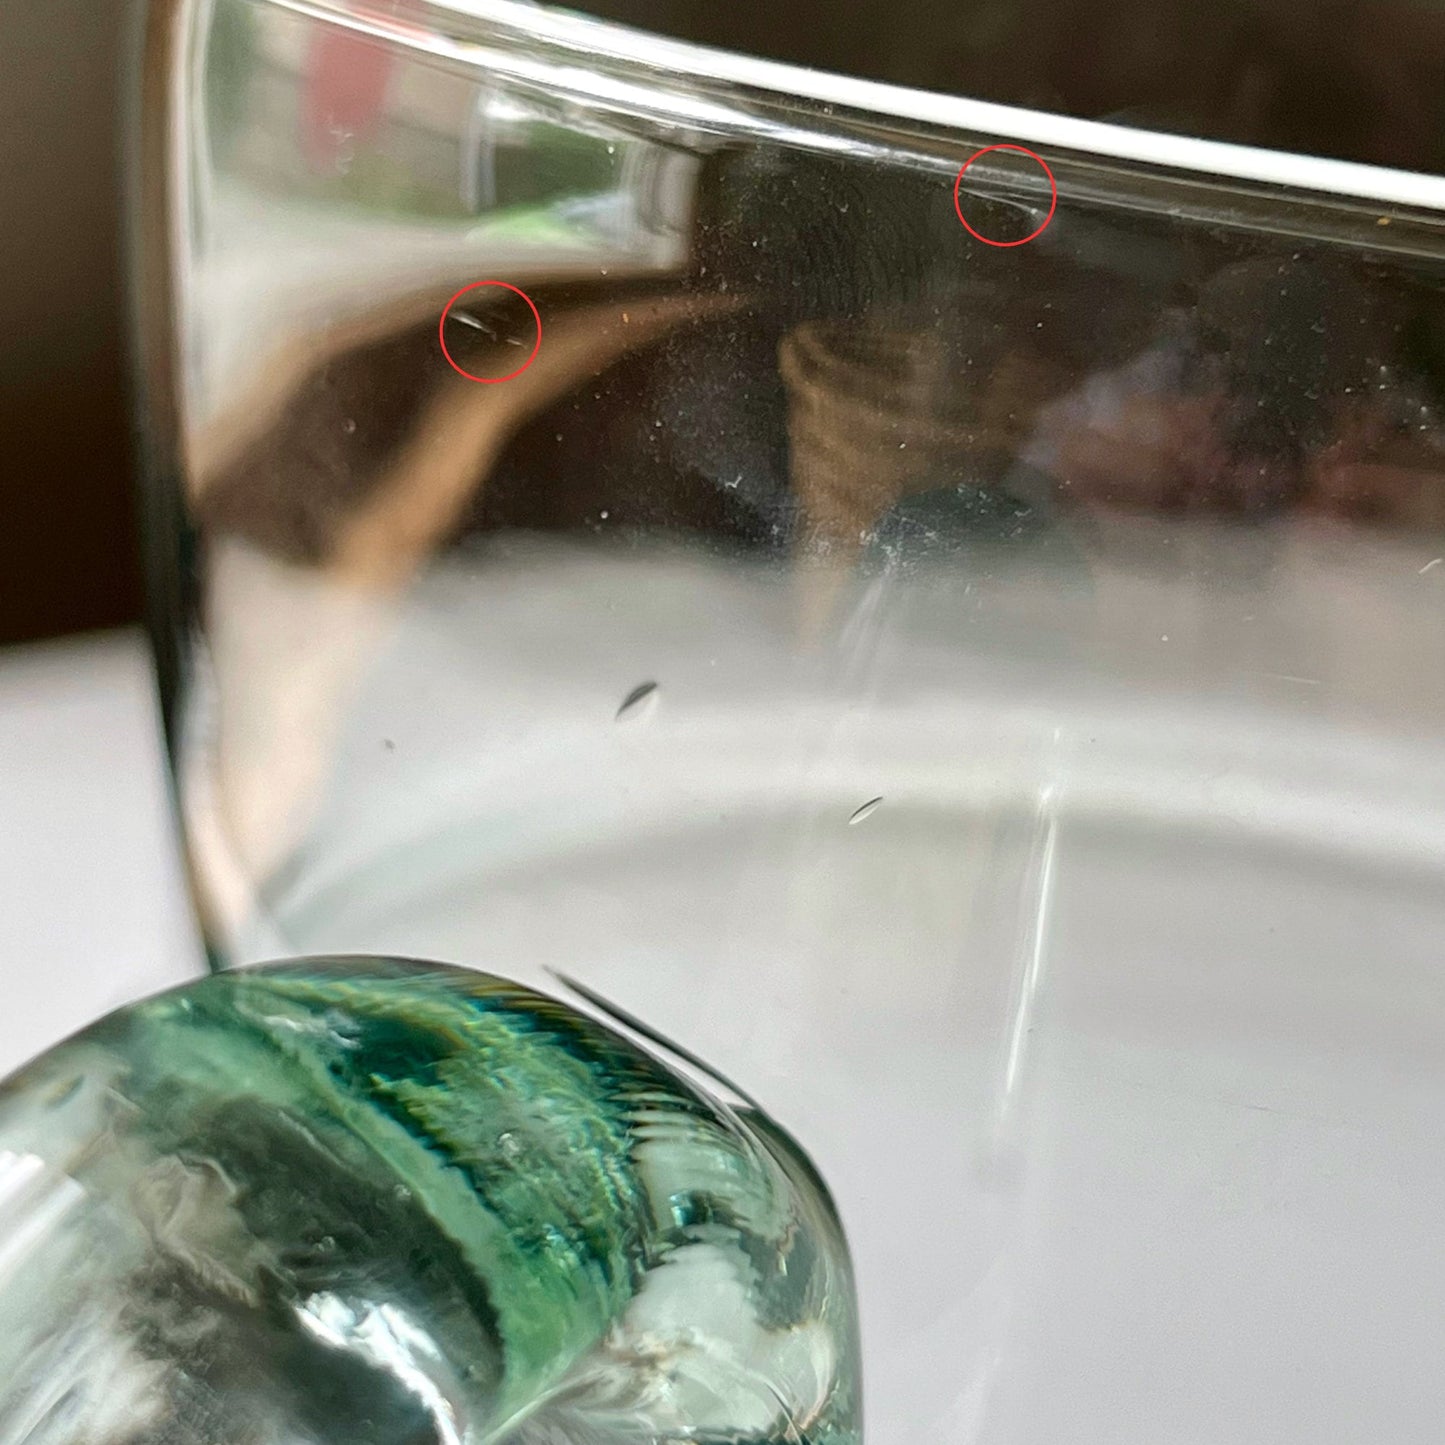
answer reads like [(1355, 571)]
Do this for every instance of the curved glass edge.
[(148, 151), (455, 29)]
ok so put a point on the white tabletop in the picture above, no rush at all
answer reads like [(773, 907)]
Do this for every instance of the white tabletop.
[(1134, 1125), (93, 910)]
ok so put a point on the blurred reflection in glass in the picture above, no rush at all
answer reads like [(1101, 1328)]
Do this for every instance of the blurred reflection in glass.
[(985, 700)]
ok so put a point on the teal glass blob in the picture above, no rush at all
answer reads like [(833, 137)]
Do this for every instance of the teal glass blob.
[(374, 1202)]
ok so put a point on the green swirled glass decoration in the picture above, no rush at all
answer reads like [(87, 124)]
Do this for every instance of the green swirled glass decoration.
[(386, 1203)]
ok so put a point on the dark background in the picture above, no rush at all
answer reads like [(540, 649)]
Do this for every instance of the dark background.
[(68, 554), (1362, 79)]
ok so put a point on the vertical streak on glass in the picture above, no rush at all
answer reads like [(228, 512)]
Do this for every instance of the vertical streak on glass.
[(996, 1297), (1041, 865)]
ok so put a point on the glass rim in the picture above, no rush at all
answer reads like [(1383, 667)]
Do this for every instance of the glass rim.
[(1187, 156)]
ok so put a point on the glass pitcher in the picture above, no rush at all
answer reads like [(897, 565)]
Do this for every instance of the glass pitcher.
[(931, 604)]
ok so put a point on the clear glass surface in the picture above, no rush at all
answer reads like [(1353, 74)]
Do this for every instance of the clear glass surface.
[(985, 700)]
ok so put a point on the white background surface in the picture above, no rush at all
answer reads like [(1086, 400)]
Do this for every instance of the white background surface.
[(1116, 1029), (1213, 1212), (92, 905)]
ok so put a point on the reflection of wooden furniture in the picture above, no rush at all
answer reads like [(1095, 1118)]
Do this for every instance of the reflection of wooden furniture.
[(1375, 471), (288, 643), (461, 432), (279, 307), (281, 470), (876, 412)]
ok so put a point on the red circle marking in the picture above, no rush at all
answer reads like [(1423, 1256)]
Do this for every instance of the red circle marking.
[(1053, 194), (442, 332)]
